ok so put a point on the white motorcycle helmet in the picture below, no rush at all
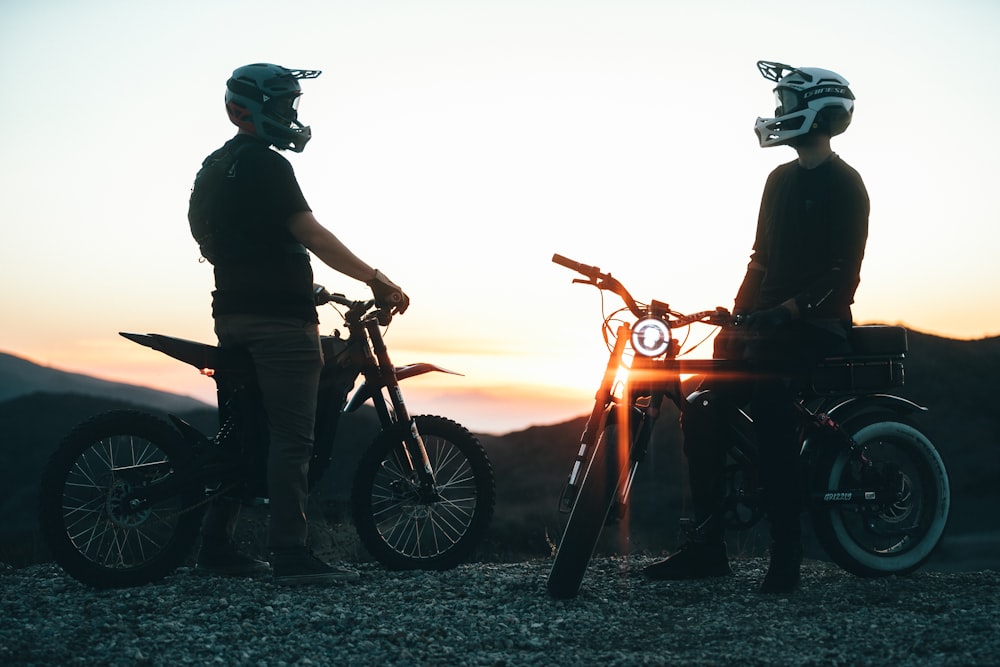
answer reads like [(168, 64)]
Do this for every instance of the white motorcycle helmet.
[(808, 100)]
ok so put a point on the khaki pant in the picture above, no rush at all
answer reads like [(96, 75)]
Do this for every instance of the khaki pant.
[(288, 360)]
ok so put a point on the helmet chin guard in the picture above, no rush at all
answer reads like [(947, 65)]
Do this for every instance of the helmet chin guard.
[(262, 99), (808, 99)]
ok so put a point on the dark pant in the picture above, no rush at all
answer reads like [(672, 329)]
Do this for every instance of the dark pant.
[(780, 363), (288, 360)]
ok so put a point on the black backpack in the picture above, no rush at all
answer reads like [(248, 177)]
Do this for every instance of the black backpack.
[(208, 183)]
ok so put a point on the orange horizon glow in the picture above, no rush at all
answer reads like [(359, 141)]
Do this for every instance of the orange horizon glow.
[(487, 404)]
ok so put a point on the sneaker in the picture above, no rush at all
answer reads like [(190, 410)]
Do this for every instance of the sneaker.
[(297, 566), (220, 557), (693, 560), (783, 571)]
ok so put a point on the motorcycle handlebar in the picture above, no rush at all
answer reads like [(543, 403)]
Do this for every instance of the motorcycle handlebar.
[(601, 280), (591, 272), (355, 309), (719, 317)]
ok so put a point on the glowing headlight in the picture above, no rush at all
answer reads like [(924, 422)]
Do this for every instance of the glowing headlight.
[(650, 337)]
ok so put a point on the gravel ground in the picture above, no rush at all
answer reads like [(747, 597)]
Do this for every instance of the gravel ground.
[(500, 614)]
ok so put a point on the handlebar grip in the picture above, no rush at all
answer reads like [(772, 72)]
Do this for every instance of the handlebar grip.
[(589, 271)]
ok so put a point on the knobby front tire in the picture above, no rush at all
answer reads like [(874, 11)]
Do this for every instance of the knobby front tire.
[(899, 536), (404, 532), (91, 534)]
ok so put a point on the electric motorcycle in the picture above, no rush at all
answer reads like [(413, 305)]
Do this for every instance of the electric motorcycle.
[(877, 492), (121, 498)]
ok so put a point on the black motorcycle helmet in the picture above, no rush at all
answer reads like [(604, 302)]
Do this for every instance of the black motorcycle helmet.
[(262, 99)]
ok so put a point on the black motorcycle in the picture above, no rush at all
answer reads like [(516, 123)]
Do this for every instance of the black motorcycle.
[(877, 491), (121, 499)]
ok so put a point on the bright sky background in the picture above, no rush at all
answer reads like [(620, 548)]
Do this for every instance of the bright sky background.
[(458, 144)]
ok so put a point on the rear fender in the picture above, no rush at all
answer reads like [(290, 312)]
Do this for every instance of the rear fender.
[(856, 406), (859, 405), (199, 355)]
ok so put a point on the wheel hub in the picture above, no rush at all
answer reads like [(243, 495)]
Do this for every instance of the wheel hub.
[(122, 512), (902, 507)]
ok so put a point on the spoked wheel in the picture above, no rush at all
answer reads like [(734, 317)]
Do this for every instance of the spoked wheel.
[(94, 533), (405, 526), (900, 532)]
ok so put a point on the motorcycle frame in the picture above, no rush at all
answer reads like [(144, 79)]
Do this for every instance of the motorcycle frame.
[(649, 380), (242, 430), (844, 398)]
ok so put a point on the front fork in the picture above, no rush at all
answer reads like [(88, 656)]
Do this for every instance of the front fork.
[(633, 419), (395, 413), (604, 403)]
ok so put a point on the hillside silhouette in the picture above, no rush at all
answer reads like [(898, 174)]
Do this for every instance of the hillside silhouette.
[(952, 378), (20, 377)]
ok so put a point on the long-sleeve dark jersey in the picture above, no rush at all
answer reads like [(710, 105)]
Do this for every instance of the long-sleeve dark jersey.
[(811, 235)]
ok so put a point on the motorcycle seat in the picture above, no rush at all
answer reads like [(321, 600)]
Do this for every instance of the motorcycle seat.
[(878, 340)]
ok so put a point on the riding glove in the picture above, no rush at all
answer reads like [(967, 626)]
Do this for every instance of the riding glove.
[(767, 321), (388, 294)]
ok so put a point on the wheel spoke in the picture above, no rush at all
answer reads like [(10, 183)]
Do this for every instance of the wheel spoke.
[(406, 523), (109, 467), (419, 529)]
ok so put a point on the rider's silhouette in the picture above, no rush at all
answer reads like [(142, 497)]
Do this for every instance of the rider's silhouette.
[(793, 308), (252, 222)]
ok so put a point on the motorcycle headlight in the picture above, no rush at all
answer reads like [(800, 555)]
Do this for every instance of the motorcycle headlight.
[(650, 337)]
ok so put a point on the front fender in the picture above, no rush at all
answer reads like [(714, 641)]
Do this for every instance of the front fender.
[(365, 391), (403, 372)]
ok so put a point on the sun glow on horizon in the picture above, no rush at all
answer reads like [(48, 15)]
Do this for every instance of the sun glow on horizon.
[(456, 146)]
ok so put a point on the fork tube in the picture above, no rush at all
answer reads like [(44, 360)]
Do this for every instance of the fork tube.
[(602, 399), (387, 378), (386, 371)]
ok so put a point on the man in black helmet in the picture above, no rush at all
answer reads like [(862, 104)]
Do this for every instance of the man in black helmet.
[(253, 224), (793, 309)]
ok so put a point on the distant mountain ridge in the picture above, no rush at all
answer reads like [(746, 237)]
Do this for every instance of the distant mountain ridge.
[(20, 377)]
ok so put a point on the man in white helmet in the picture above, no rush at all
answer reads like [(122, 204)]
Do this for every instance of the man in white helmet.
[(252, 222), (792, 309)]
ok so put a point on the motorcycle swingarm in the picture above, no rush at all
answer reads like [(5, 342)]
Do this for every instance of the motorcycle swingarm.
[(864, 503), (200, 476)]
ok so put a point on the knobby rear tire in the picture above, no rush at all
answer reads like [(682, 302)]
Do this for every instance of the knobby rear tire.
[(89, 533), (403, 532)]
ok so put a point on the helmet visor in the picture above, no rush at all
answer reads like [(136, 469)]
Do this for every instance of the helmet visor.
[(787, 101), (284, 109)]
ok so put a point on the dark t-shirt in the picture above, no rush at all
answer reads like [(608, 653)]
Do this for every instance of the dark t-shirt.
[(260, 268), (811, 235)]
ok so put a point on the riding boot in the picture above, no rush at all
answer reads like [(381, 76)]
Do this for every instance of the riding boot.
[(221, 557), (783, 570), (692, 560)]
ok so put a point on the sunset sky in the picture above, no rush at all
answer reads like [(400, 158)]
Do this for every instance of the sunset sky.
[(457, 145)]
